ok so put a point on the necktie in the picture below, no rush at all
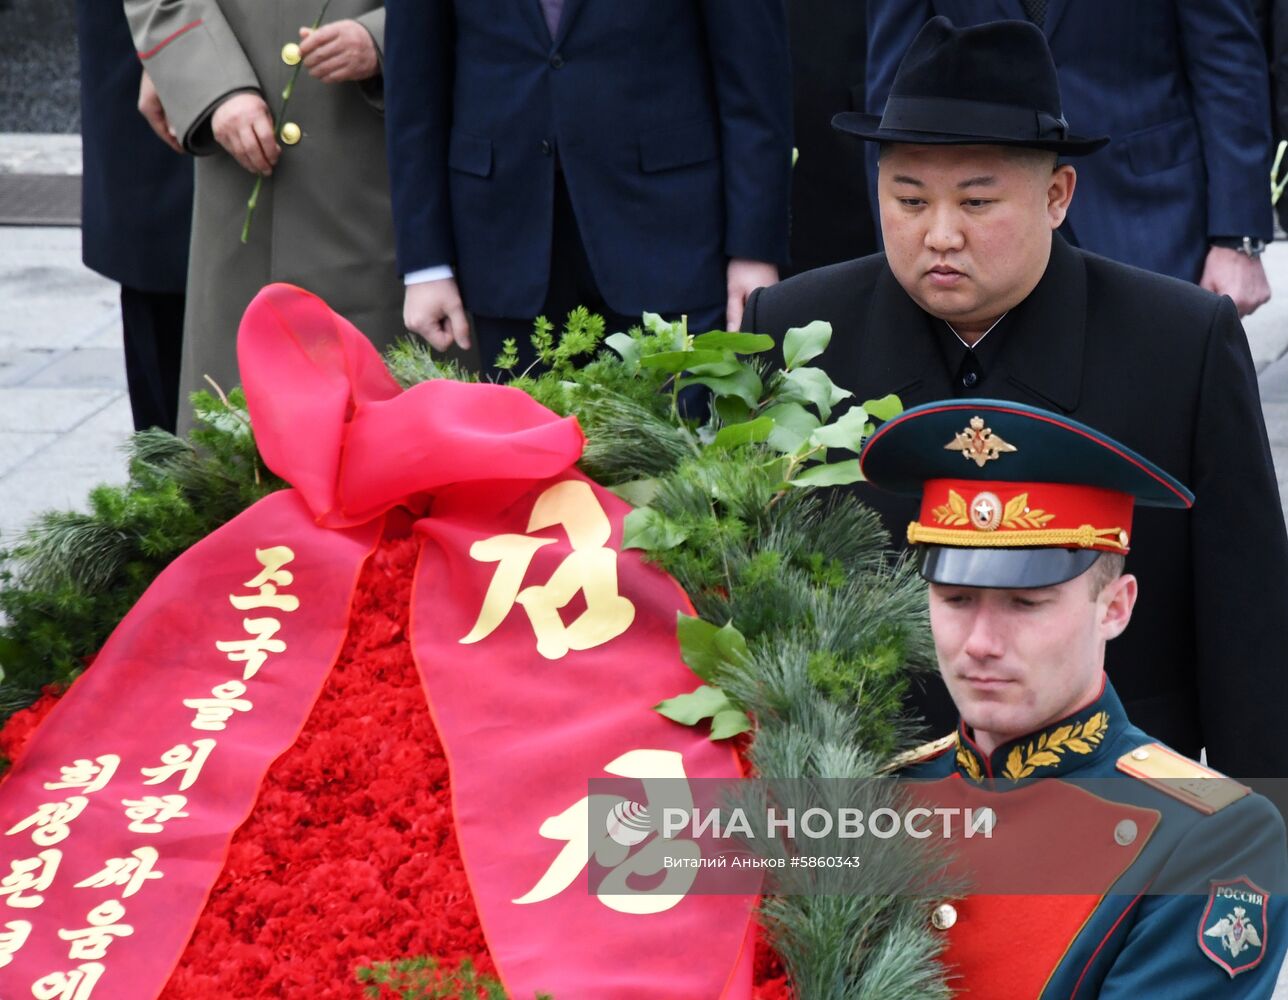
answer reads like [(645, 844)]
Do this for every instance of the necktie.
[(553, 8), (1035, 10)]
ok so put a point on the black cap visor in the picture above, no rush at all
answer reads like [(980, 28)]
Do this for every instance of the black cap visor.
[(1008, 569)]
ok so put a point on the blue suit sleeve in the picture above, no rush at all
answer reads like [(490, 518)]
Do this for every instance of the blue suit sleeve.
[(418, 69), (1225, 63), (747, 46), (1163, 957)]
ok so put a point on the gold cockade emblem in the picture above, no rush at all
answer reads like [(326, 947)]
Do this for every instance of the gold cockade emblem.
[(987, 513), (978, 443)]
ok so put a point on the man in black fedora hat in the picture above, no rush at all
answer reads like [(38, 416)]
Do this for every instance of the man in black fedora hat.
[(1181, 87), (977, 295)]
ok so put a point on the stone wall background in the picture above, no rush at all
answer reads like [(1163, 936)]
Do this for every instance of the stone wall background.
[(39, 79)]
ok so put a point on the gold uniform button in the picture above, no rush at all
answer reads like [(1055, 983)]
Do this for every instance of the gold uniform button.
[(291, 133), (1125, 832), (291, 54), (944, 917)]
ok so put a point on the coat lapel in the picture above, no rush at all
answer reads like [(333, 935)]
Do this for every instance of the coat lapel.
[(1043, 350), (531, 12), (570, 10)]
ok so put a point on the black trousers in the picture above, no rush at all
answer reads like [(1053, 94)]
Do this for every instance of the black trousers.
[(572, 284), (153, 327)]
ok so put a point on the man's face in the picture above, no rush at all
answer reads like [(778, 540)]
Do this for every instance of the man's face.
[(968, 228), (1016, 660)]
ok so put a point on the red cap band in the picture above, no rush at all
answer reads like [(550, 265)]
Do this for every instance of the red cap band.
[(978, 513)]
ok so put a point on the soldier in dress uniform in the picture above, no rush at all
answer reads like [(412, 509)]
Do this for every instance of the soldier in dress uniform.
[(1149, 875)]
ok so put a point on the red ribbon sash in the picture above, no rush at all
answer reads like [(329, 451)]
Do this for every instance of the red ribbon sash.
[(541, 647)]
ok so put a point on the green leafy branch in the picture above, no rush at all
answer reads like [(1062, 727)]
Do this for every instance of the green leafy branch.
[(783, 421)]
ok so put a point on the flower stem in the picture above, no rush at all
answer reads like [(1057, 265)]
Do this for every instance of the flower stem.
[(277, 129), (1277, 186)]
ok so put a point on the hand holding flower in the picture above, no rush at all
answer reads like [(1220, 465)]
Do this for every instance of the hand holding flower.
[(338, 52)]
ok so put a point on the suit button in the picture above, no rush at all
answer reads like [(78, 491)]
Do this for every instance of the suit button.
[(556, 61), (944, 916), (1125, 833), (291, 133), (291, 54), (969, 379), (547, 147)]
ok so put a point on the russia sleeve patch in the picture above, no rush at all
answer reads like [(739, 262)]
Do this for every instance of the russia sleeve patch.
[(1233, 931)]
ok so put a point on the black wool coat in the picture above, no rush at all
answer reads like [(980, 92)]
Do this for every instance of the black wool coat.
[(1164, 367)]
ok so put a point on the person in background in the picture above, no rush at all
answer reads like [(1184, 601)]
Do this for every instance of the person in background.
[(136, 211), (553, 153), (976, 294), (322, 220), (1180, 86), (831, 217)]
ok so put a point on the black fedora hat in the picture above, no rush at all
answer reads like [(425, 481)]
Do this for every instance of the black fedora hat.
[(993, 84)]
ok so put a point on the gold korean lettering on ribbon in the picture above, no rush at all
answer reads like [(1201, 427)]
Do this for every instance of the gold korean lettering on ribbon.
[(590, 569)]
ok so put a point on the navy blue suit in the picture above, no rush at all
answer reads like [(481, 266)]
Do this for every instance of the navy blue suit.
[(1180, 86), (670, 120), (136, 212)]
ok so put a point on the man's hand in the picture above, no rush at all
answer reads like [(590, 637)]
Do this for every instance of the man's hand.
[(339, 51), (433, 309), (1228, 272), (742, 278), (243, 125), (150, 108)]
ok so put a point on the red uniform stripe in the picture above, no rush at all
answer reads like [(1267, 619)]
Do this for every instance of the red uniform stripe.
[(169, 38)]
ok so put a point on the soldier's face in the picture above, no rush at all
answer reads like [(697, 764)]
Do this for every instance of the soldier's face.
[(968, 228), (1016, 660)]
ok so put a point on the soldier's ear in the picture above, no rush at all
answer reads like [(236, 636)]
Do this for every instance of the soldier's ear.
[(1114, 605)]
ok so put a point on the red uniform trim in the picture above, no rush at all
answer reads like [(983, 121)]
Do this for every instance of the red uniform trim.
[(1103, 941), (170, 38)]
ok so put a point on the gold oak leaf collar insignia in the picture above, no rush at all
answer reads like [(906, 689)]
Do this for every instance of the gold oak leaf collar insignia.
[(1042, 751), (978, 443), (1050, 747)]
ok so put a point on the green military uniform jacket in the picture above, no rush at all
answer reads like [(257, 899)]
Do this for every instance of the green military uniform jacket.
[(323, 220), (1126, 878)]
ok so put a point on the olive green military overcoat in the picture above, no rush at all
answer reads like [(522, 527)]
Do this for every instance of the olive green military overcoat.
[(323, 219)]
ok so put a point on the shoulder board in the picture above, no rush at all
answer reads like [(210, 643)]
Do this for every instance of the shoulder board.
[(916, 755), (1189, 781)]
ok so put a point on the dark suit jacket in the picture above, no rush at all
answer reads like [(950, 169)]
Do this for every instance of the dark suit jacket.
[(1180, 86), (671, 121), (831, 216), (1163, 367), (136, 203)]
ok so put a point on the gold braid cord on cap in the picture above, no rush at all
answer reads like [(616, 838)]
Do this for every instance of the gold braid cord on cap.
[(1084, 537)]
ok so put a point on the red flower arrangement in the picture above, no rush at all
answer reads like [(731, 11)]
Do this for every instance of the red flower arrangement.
[(350, 856)]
